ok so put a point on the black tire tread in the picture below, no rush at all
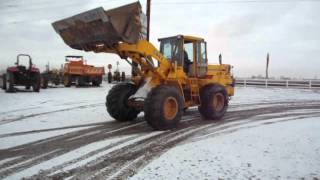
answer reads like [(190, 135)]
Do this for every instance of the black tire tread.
[(4, 83), (153, 108), (37, 83), (206, 95), (115, 102), (10, 77)]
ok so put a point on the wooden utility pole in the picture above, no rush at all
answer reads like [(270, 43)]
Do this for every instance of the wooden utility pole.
[(148, 18), (267, 66), (135, 65), (220, 59)]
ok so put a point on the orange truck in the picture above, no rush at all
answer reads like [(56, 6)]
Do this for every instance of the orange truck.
[(77, 71)]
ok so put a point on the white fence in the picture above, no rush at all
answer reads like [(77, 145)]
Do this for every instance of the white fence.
[(279, 83), (310, 84)]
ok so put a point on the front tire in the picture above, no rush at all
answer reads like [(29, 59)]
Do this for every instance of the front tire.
[(214, 102), (163, 107), (116, 102), (37, 83), (44, 82), (10, 82), (4, 81)]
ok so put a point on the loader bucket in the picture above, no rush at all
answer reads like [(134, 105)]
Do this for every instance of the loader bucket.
[(99, 27)]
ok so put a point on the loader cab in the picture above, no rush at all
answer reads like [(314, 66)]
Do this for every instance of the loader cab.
[(188, 52)]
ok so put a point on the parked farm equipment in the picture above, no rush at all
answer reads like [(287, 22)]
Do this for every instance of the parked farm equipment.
[(116, 76), (21, 75), (51, 77), (78, 72)]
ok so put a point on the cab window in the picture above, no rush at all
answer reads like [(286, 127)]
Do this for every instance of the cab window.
[(203, 53), (171, 49), (188, 52)]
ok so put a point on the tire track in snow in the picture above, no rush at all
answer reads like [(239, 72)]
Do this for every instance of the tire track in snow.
[(141, 152), (6, 121), (121, 158)]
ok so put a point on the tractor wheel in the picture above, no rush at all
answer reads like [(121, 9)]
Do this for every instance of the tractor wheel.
[(116, 102), (4, 81), (9, 82), (67, 81), (97, 81), (56, 82), (214, 102), (109, 77), (37, 83), (44, 82), (163, 107), (80, 81)]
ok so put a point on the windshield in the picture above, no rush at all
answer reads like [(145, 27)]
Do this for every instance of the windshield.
[(170, 48)]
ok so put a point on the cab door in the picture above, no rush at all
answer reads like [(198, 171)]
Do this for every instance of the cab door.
[(202, 61)]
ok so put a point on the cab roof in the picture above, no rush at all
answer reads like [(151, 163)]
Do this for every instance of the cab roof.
[(185, 37)]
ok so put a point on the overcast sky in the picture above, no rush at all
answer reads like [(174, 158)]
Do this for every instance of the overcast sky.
[(242, 31)]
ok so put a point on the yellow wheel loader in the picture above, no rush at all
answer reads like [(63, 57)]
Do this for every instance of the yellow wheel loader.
[(165, 81)]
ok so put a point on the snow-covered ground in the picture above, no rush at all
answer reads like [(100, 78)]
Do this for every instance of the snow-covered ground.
[(64, 109), (283, 150), (66, 132)]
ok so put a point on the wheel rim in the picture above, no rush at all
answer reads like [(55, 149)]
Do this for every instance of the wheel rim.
[(218, 101), (170, 108)]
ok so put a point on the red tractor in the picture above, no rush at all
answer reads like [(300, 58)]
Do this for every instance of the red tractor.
[(21, 75)]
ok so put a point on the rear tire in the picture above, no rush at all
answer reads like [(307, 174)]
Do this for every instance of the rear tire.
[(163, 107), (80, 81), (9, 82), (116, 102), (4, 81), (214, 102), (37, 83), (44, 82), (97, 81), (67, 81)]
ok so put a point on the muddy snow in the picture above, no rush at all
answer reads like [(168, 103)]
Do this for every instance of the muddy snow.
[(66, 133)]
